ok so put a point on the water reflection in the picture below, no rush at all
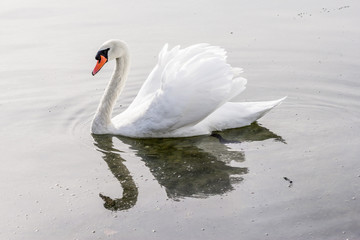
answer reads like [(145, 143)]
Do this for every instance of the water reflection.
[(186, 167), (115, 162)]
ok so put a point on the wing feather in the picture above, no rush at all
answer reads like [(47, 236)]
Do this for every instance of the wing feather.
[(185, 87), (237, 114)]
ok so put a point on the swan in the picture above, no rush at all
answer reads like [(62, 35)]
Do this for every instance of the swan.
[(189, 92)]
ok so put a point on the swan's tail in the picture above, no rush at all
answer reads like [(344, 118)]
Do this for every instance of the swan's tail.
[(238, 114)]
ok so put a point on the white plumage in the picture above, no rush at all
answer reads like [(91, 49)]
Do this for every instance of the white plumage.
[(186, 94)]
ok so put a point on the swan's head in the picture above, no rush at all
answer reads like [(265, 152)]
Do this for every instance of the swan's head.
[(108, 51)]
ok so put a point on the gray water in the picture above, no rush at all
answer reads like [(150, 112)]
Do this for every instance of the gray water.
[(60, 182)]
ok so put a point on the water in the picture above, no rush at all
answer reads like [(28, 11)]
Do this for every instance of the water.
[(60, 182)]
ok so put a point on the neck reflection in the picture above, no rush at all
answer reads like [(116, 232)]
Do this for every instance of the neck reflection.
[(116, 165)]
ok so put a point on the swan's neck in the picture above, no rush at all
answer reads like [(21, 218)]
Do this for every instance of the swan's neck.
[(102, 119)]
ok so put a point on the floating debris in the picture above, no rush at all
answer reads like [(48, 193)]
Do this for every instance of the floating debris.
[(290, 181), (287, 179), (340, 8)]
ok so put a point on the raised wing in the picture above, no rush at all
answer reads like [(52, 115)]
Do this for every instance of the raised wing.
[(185, 87)]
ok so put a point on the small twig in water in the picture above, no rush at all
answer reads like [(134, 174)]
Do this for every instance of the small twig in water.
[(290, 181)]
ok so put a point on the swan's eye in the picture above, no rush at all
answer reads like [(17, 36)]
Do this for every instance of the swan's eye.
[(102, 53)]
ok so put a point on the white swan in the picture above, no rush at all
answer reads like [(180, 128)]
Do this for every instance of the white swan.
[(188, 93)]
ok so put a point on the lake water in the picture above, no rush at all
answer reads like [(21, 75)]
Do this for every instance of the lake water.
[(60, 182)]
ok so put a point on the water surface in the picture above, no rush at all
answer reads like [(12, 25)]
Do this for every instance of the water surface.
[(60, 182)]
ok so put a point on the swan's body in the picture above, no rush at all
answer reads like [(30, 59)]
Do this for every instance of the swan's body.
[(188, 93)]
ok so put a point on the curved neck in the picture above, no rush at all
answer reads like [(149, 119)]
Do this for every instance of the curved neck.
[(102, 119)]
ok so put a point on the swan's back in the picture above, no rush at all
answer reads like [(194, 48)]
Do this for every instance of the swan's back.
[(185, 87)]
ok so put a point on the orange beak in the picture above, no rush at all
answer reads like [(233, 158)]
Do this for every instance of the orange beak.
[(99, 64)]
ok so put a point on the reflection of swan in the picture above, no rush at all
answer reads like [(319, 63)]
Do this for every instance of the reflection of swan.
[(120, 171), (187, 167), (188, 93)]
